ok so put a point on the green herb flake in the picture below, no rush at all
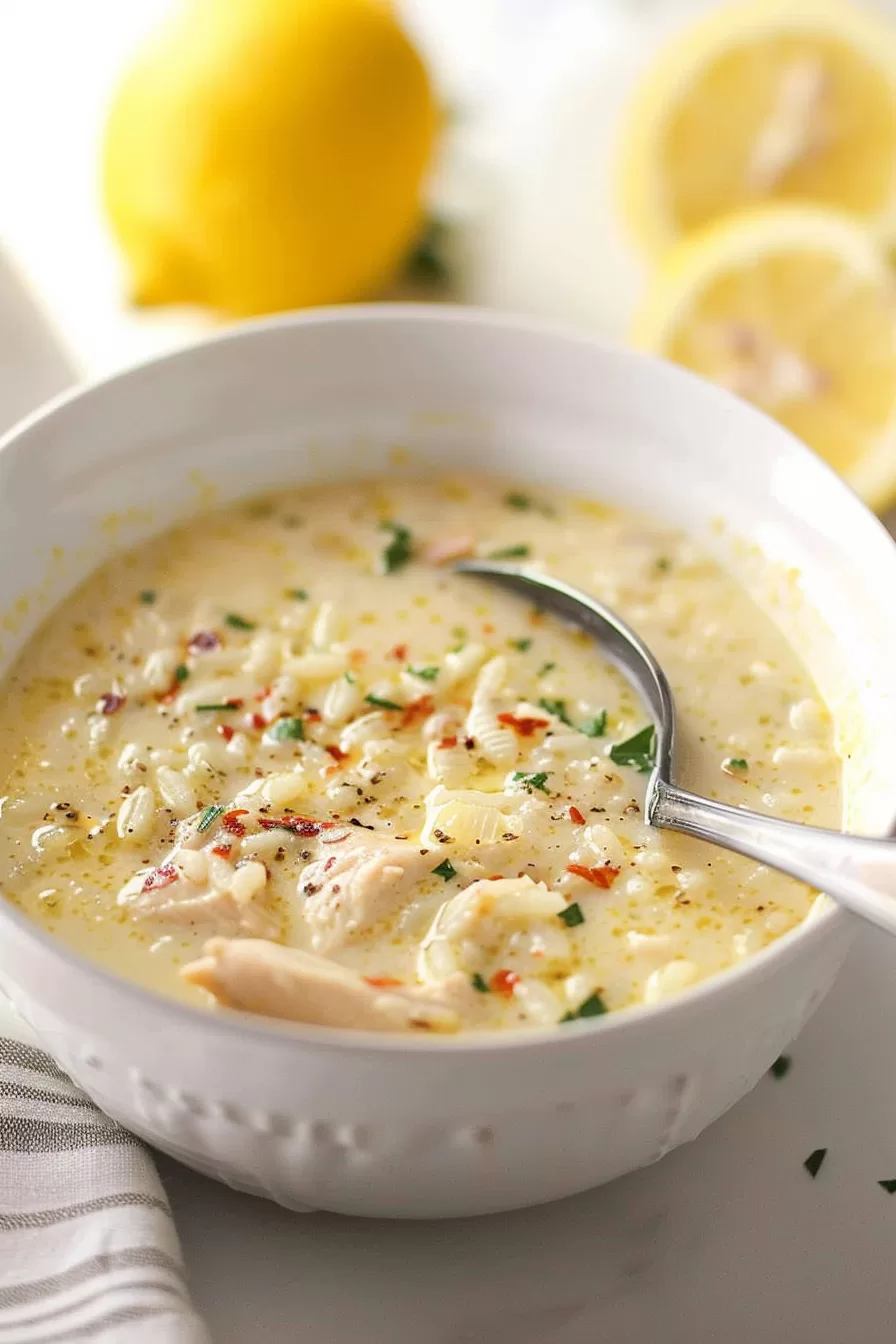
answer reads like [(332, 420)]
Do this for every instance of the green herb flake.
[(889, 1186), (297, 594), (814, 1160), (545, 669), (427, 264), (237, 622), (781, 1066), (572, 915), (638, 751), (593, 1006), (519, 552), (734, 763), (350, 678), (181, 672), (515, 500), (524, 645), (398, 552), (148, 596), (381, 703), (208, 817), (446, 870), (216, 708), (532, 782), (558, 709), (287, 730), (663, 564), (596, 726), (477, 982), (424, 673)]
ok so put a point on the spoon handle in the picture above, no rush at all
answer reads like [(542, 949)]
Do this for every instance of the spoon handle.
[(857, 871)]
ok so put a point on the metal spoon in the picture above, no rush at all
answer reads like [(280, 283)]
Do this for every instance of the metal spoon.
[(857, 871)]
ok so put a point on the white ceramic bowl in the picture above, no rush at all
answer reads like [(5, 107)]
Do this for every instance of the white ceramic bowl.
[(370, 1125)]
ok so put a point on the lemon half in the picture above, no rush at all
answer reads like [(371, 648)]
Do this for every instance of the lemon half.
[(794, 309), (770, 100)]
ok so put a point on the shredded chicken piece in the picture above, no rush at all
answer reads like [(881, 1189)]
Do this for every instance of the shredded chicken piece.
[(361, 883), (200, 887), (263, 977)]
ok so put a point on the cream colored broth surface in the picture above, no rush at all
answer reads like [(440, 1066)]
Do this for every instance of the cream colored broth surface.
[(283, 759)]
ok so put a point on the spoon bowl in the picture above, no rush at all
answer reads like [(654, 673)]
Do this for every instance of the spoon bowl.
[(859, 872)]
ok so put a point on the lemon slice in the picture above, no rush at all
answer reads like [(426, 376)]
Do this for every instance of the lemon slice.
[(794, 309), (768, 100)]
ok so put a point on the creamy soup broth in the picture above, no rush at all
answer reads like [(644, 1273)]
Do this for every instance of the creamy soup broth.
[(283, 759)]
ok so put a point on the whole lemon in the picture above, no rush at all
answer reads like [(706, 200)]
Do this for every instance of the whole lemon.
[(269, 154)]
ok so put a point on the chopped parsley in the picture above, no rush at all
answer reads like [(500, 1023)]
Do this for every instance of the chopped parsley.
[(516, 500), (217, 708), (350, 678), (181, 672), (398, 552), (558, 709), (889, 1186), (814, 1160), (545, 669), (734, 763), (446, 870), (781, 1066), (381, 703), (209, 816), (287, 730), (572, 915), (593, 1006), (519, 552), (298, 594), (663, 563), (639, 750), (237, 622), (148, 596), (531, 782), (477, 982), (596, 726), (424, 673), (524, 645)]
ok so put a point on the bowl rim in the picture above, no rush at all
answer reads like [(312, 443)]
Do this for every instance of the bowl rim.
[(252, 1027)]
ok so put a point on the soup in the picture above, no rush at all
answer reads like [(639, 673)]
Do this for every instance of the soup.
[(284, 760)]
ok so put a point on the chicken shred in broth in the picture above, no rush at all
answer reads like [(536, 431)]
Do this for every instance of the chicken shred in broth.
[(284, 760)]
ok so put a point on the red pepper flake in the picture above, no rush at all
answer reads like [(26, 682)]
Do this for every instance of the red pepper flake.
[(263, 694), (598, 877), (110, 703), (304, 826), (204, 641), (357, 656), (447, 742), (488, 629), (399, 653), (259, 721), (495, 877), (160, 877), (576, 816), (231, 821), (223, 851), (382, 981), (312, 715), (525, 727), (417, 709), (226, 731), (336, 752), (502, 982)]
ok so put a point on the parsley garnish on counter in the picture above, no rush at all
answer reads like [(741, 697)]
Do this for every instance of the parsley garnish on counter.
[(814, 1160), (639, 750), (781, 1066), (398, 552), (889, 1186)]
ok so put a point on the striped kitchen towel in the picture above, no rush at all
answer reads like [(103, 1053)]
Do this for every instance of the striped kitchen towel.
[(88, 1249)]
